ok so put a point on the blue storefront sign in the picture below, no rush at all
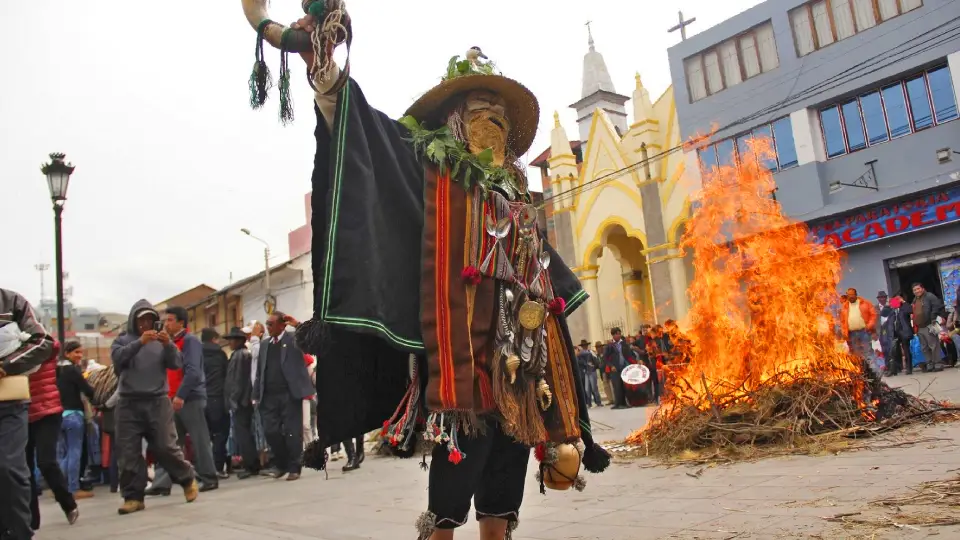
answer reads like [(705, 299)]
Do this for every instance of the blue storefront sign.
[(890, 219)]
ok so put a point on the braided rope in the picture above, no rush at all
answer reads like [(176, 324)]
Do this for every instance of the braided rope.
[(327, 33)]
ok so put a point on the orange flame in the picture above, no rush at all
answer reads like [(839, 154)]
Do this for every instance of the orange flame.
[(763, 295)]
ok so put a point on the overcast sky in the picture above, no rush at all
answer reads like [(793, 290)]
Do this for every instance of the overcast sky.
[(149, 101)]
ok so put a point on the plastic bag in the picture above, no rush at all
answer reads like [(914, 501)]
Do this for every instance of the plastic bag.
[(916, 352), (11, 338)]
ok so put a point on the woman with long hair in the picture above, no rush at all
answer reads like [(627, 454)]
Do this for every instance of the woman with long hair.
[(73, 428)]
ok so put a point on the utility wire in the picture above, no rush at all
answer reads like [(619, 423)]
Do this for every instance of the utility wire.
[(787, 77), (816, 89)]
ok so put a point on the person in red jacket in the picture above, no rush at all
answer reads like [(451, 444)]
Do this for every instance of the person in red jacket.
[(44, 416)]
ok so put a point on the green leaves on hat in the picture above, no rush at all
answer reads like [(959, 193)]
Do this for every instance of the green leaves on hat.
[(460, 68), (441, 148)]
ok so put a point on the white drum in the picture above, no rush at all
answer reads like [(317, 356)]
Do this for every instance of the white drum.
[(635, 375)]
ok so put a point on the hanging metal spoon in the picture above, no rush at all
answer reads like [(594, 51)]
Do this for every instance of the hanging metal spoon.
[(499, 231), (544, 260)]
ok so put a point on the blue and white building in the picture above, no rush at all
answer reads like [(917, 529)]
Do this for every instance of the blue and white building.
[(860, 100)]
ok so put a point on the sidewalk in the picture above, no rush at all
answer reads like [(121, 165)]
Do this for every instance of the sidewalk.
[(772, 499)]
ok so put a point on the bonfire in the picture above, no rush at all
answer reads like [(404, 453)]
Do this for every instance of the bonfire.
[(765, 367)]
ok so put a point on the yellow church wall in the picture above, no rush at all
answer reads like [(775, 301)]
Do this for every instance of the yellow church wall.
[(606, 206)]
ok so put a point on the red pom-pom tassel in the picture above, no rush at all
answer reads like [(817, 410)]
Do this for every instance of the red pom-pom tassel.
[(557, 306), (471, 276), (540, 452)]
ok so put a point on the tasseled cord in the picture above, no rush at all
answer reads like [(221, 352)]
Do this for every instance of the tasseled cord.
[(315, 457), (595, 458), (286, 100), (260, 81), (313, 337)]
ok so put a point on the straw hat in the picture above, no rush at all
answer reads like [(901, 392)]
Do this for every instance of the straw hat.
[(522, 108)]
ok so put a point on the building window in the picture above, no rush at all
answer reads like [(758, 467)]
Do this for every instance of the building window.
[(898, 109), (823, 22), (88, 326), (731, 62), (734, 149), (211, 320)]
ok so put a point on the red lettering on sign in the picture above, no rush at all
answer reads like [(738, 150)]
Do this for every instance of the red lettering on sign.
[(897, 224), (874, 229), (847, 236), (916, 219), (834, 239), (942, 211)]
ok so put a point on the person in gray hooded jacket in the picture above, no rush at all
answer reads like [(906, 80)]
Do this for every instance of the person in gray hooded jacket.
[(141, 357)]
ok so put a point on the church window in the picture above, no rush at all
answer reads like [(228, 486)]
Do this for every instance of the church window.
[(711, 64), (731, 62), (820, 23), (901, 108), (695, 80), (774, 141), (750, 58), (708, 158)]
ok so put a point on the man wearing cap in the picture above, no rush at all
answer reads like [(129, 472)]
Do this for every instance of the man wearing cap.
[(238, 392), (141, 357), (454, 272)]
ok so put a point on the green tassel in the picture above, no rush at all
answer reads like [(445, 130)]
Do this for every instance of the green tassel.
[(260, 81), (317, 9), (286, 100)]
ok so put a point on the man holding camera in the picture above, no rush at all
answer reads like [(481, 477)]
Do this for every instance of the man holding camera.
[(141, 357)]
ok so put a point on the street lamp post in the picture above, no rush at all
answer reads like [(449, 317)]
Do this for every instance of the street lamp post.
[(58, 179), (266, 267)]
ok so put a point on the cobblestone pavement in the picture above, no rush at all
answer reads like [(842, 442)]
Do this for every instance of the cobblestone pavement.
[(770, 499)]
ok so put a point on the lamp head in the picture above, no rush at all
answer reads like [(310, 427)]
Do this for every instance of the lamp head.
[(58, 176)]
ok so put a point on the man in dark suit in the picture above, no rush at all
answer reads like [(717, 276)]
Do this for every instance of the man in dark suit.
[(617, 356), (281, 386)]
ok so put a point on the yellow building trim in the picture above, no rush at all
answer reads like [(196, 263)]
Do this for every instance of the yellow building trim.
[(561, 210), (633, 195), (652, 121), (551, 159), (632, 282), (682, 218), (665, 93), (661, 247), (618, 149), (587, 278), (587, 268), (597, 242), (664, 258)]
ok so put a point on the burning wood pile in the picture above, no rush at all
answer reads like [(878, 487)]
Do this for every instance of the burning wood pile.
[(766, 367)]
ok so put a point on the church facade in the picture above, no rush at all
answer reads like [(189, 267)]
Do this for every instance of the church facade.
[(619, 195)]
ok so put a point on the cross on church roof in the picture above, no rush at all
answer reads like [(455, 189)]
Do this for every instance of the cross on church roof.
[(682, 26), (589, 35)]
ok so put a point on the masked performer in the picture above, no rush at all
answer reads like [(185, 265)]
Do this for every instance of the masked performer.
[(439, 310)]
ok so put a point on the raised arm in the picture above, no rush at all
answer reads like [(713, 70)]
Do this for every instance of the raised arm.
[(127, 346), (326, 103)]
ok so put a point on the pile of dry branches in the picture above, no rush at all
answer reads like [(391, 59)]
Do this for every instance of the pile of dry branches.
[(786, 414), (931, 504)]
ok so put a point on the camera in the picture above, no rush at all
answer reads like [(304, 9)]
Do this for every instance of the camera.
[(158, 326)]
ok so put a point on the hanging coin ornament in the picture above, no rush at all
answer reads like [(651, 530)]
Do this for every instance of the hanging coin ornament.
[(532, 314), (526, 349)]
